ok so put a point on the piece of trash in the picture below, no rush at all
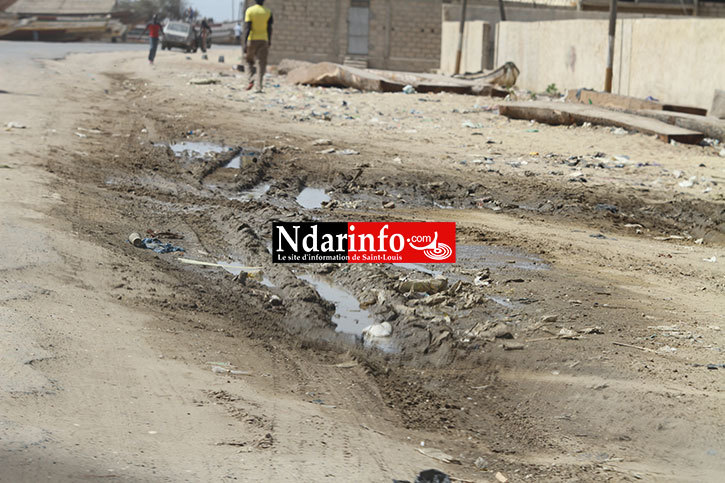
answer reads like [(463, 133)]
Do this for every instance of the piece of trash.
[(432, 476), (14, 125), (322, 142), (722, 153), (348, 152), (157, 245), (409, 89), (567, 334), (136, 240), (532, 130), (204, 82), (347, 365), (378, 330), (666, 349), (513, 346), (712, 259), (500, 477), (619, 131), (481, 463), (204, 57), (221, 59), (688, 183), (439, 455), (472, 125), (328, 151)]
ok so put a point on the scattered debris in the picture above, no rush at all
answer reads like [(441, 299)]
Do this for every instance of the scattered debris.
[(439, 455), (14, 125), (557, 113), (322, 142), (329, 74), (204, 82)]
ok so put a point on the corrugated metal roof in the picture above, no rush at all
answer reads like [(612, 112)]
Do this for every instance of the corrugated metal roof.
[(62, 7)]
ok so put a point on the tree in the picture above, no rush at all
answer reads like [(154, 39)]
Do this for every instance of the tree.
[(143, 10)]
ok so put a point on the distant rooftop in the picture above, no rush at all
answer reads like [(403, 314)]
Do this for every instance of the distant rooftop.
[(60, 7)]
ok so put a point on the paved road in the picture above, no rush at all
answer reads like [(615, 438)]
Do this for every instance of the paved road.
[(12, 52)]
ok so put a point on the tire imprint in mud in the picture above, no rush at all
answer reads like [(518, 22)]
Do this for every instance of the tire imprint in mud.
[(223, 226)]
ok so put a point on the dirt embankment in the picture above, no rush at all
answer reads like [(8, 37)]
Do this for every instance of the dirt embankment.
[(513, 360)]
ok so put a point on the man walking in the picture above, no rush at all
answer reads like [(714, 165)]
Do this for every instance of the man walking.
[(238, 33), (154, 29), (257, 40)]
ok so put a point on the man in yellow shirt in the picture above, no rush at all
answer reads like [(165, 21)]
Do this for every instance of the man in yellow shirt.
[(257, 39)]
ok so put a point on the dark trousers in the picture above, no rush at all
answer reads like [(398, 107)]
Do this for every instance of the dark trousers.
[(154, 46)]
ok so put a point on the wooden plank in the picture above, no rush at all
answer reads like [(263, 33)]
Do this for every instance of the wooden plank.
[(566, 113), (336, 75), (711, 127), (616, 101)]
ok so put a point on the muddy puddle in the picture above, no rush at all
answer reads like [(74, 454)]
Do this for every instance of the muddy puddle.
[(483, 256), (253, 193), (349, 317), (195, 149), (244, 158), (312, 198)]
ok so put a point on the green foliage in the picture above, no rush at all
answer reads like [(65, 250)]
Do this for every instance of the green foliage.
[(143, 10), (552, 90)]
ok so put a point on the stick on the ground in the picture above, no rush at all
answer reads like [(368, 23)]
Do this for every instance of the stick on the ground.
[(634, 346)]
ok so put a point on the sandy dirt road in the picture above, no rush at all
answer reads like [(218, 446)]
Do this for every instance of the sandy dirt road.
[(107, 350)]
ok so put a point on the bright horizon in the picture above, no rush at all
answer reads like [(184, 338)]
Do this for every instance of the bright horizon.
[(219, 10)]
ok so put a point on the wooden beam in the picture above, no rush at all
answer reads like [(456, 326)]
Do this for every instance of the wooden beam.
[(711, 127), (563, 113), (617, 101)]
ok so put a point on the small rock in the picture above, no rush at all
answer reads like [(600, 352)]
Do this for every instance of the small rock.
[(428, 286), (549, 318), (275, 301), (389, 205), (322, 142), (481, 463), (378, 330), (221, 59), (409, 89), (241, 277)]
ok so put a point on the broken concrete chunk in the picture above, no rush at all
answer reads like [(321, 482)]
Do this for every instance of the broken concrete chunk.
[(431, 286)]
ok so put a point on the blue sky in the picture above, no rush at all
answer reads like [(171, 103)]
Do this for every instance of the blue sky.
[(217, 9)]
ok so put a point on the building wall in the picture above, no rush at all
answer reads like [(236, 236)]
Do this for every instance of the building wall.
[(680, 61), (476, 47), (403, 34)]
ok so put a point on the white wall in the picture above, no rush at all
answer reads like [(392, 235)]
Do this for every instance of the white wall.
[(679, 61)]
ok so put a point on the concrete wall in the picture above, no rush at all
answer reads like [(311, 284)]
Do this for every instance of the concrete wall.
[(678, 61), (403, 34), (476, 47)]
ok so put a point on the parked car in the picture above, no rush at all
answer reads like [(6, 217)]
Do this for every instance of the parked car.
[(181, 35)]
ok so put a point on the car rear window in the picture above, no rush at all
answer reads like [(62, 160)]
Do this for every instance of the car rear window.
[(181, 28)]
